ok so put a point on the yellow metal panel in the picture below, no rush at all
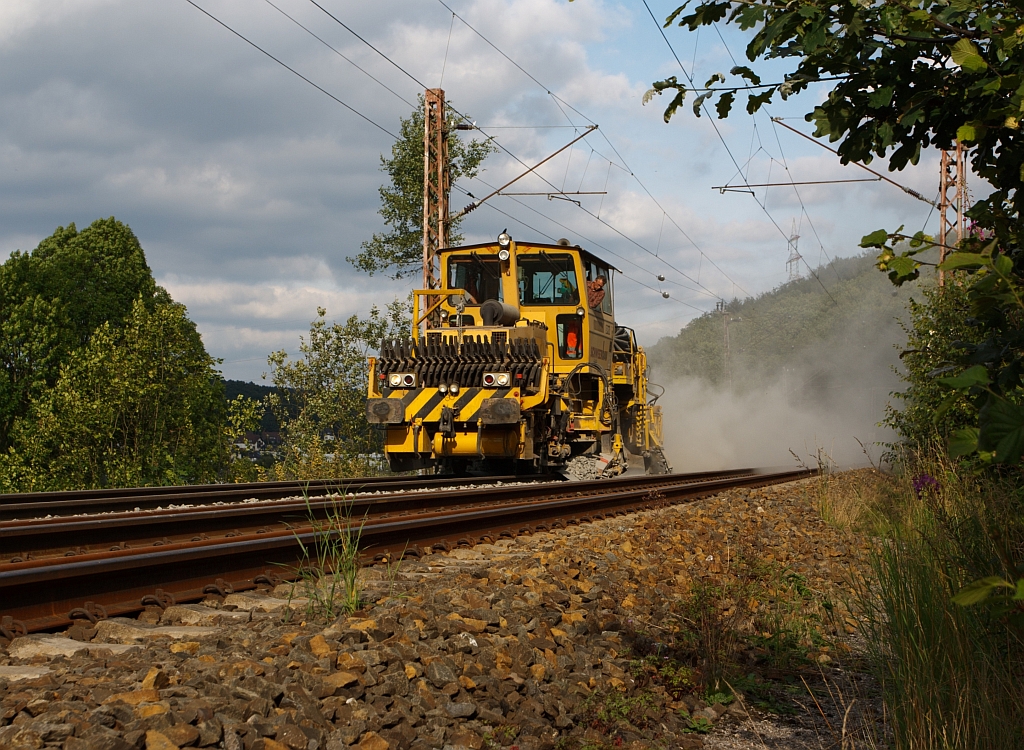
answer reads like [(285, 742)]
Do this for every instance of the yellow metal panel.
[(491, 443), (410, 439)]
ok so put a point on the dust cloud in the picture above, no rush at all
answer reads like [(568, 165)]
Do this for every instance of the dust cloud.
[(708, 428), (829, 396)]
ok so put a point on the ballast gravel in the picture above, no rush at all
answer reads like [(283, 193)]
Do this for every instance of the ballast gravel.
[(508, 645)]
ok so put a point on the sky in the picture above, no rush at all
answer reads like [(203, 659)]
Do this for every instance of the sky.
[(248, 187)]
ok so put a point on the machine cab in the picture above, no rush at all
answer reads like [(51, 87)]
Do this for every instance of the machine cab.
[(560, 288)]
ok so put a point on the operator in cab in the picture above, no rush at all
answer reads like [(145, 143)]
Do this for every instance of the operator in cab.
[(595, 292)]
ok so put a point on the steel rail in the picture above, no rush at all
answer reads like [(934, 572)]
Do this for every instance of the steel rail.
[(69, 536), (75, 502), (52, 593)]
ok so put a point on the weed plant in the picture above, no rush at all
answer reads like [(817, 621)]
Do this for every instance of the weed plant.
[(756, 629), (328, 571), (953, 677)]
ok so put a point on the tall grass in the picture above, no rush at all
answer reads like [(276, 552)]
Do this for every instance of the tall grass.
[(952, 677), (327, 574)]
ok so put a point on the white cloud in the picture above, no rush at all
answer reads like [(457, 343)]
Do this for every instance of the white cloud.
[(19, 16)]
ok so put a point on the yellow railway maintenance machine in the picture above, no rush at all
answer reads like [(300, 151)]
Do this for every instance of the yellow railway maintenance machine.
[(510, 370)]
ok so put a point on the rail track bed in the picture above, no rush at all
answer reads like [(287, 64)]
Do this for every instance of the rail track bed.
[(84, 502), (101, 554)]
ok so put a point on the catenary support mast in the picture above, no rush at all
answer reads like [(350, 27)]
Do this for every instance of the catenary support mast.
[(436, 183), (952, 202)]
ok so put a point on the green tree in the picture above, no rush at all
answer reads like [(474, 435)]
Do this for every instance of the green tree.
[(244, 415), (938, 326), (319, 399), (399, 249), (52, 299), (140, 404), (97, 274)]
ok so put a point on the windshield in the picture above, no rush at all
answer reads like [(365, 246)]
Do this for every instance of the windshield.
[(480, 277), (547, 280)]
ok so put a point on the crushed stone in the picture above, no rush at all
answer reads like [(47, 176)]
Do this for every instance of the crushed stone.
[(503, 645)]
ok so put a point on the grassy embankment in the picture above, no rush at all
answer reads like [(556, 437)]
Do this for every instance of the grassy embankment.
[(951, 676)]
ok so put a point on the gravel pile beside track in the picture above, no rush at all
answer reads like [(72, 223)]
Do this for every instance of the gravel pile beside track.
[(528, 643)]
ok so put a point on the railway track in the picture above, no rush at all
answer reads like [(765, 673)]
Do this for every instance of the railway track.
[(89, 558), (80, 502)]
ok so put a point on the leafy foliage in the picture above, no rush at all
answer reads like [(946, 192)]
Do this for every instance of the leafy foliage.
[(244, 415), (938, 323), (320, 399), (233, 389), (140, 404), (908, 75), (399, 250), (52, 299)]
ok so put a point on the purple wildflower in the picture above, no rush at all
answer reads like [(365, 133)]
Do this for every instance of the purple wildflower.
[(925, 482)]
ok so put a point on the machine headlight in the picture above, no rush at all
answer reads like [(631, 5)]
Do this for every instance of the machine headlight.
[(442, 388), (395, 380), (502, 378), (503, 254), (504, 239), (453, 388), (444, 315), (580, 311)]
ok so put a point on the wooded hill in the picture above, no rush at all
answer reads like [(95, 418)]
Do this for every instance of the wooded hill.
[(815, 335)]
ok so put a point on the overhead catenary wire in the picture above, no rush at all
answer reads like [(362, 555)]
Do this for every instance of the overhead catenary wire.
[(595, 243), (625, 167), (366, 118), (500, 146), (550, 237), (726, 145), (283, 64), (347, 106), (338, 100), (785, 163), (909, 191), (340, 54), (444, 65)]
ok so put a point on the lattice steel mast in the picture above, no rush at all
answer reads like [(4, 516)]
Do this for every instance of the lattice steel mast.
[(436, 183), (793, 261), (952, 207)]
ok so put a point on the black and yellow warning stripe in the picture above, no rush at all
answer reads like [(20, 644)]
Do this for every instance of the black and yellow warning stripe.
[(425, 404)]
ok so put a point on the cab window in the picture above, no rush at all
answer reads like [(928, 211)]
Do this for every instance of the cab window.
[(593, 271), (480, 277), (570, 336), (548, 280)]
